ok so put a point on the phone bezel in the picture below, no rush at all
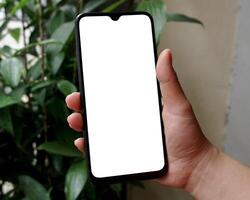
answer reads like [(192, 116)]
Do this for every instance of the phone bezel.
[(127, 177)]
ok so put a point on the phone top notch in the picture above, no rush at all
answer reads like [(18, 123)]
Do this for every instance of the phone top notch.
[(115, 17)]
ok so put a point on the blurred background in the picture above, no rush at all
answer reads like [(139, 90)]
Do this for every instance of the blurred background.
[(38, 69)]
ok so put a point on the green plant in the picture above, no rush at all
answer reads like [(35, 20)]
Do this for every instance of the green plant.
[(37, 156)]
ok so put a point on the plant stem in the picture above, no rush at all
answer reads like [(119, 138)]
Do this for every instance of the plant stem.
[(24, 42), (41, 36)]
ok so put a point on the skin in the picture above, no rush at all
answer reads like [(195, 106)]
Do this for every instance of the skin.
[(194, 163)]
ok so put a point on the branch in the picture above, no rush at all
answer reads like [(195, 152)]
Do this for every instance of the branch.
[(24, 42), (41, 36)]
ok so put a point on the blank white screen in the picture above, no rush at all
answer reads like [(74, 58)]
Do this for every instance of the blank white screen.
[(122, 108)]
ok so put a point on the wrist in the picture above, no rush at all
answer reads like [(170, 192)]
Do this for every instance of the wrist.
[(206, 160)]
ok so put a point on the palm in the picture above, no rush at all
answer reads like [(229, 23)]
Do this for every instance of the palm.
[(185, 142)]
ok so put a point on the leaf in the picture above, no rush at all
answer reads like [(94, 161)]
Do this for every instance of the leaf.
[(56, 20), (11, 70), (5, 51), (70, 11), (56, 62), (32, 188), (57, 109), (57, 162), (113, 6), (137, 184), (157, 8), (25, 198), (117, 188), (60, 148), (40, 97), (18, 92), (32, 45), (18, 6), (66, 87), (42, 84), (61, 34), (55, 2), (15, 33), (76, 178), (35, 70), (2, 4), (176, 17), (13, 98), (6, 121), (66, 134), (92, 5), (30, 9)]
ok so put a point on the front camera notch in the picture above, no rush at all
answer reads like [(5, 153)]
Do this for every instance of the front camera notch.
[(115, 17)]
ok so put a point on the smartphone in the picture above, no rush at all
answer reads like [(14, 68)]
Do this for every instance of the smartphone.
[(120, 96)]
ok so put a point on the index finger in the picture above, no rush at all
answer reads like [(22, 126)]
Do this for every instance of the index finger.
[(73, 101)]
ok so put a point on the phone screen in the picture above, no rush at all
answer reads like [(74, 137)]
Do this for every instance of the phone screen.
[(121, 95)]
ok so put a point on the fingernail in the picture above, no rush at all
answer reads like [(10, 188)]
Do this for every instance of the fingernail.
[(68, 118)]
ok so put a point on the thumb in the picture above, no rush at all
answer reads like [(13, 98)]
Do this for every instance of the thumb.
[(172, 93)]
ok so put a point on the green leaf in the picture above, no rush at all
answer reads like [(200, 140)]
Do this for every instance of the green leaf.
[(5, 51), (76, 178), (66, 134), (157, 8), (55, 2), (18, 6), (18, 92), (32, 188), (25, 198), (66, 87), (2, 4), (92, 5), (35, 70), (70, 11), (57, 109), (57, 162), (61, 34), (15, 33), (7, 100), (32, 45), (42, 84), (40, 96), (117, 188), (176, 17), (30, 9), (137, 184), (113, 6), (13, 98), (60, 148), (6, 121), (57, 19), (11, 70), (56, 62)]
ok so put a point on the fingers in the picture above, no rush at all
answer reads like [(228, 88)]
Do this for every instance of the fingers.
[(73, 101), (75, 121), (172, 93), (79, 143)]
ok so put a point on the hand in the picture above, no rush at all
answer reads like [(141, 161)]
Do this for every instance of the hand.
[(186, 145)]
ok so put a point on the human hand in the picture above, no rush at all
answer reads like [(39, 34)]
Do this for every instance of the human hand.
[(187, 147)]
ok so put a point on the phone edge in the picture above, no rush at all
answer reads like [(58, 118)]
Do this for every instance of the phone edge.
[(127, 177)]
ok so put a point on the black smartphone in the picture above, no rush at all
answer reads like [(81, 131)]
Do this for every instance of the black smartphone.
[(120, 96)]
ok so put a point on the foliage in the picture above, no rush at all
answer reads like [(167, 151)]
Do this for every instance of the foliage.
[(37, 156)]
